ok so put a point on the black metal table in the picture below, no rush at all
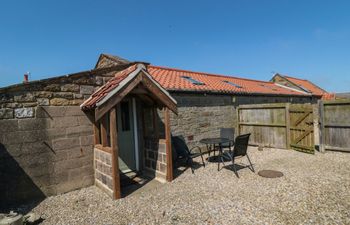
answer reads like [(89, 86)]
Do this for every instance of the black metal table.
[(212, 143)]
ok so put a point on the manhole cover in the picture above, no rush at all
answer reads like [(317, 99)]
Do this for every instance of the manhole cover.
[(270, 173)]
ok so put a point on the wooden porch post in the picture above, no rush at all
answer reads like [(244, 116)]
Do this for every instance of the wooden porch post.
[(96, 126), (169, 155), (115, 155), (104, 140)]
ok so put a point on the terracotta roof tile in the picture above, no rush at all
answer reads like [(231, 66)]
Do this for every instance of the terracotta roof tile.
[(172, 79), (109, 86), (307, 86)]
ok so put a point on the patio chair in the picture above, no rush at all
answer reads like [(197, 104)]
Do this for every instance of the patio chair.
[(228, 133), (183, 152), (239, 150)]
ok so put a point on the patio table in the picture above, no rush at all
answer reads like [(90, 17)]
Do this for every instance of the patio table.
[(211, 144)]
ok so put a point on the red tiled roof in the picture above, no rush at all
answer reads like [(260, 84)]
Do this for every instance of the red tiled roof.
[(171, 79), (109, 86), (305, 84), (328, 96)]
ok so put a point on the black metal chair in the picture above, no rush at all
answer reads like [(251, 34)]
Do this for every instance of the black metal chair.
[(228, 133), (183, 152), (240, 149)]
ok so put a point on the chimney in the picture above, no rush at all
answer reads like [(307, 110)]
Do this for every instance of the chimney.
[(25, 80)]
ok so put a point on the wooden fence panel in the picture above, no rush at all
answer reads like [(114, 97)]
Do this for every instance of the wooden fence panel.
[(335, 125), (266, 123)]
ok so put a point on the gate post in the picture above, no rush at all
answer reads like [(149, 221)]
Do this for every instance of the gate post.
[(321, 127), (287, 126)]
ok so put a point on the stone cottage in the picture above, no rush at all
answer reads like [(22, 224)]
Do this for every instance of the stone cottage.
[(64, 133)]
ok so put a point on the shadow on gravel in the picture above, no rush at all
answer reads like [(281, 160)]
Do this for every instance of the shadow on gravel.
[(238, 167), (18, 192), (181, 167)]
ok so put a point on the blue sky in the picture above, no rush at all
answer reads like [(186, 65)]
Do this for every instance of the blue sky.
[(252, 39)]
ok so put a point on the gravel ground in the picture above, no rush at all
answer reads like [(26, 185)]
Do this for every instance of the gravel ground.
[(315, 189)]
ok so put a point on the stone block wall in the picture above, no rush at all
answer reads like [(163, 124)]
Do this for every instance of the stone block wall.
[(103, 170), (46, 141), (202, 115), (47, 154), (155, 158)]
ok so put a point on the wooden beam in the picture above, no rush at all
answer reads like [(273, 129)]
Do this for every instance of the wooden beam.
[(104, 139), (307, 132), (306, 114), (139, 90), (96, 127), (103, 109), (262, 124), (158, 93), (169, 155), (105, 149), (115, 153)]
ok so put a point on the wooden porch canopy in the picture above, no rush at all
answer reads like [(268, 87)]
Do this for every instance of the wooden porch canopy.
[(135, 80)]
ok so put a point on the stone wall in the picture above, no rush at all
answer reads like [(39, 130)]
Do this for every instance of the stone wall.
[(155, 158), (48, 154), (202, 115), (103, 170), (46, 143)]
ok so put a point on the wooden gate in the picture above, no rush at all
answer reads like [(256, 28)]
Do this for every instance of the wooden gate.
[(301, 128)]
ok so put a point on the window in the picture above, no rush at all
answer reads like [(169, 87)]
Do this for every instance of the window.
[(193, 81), (231, 83)]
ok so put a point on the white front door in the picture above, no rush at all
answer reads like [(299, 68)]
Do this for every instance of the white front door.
[(126, 136)]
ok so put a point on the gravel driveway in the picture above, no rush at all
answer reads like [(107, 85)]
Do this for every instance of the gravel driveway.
[(315, 189)]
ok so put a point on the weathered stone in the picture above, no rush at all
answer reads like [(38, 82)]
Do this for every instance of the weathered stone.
[(63, 95), (87, 140), (70, 87), (24, 136), (73, 111), (99, 81), (43, 101), (52, 87), (6, 113), (24, 97), (79, 131), (33, 124), (66, 121), (24, 112), (65, 143), (8, 125), (76, 102), (11, 105), (50, 111), (86, 90), (6, 98), (78, 96), (59, 102), (43, 94), (84, 120), (29, 104)]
